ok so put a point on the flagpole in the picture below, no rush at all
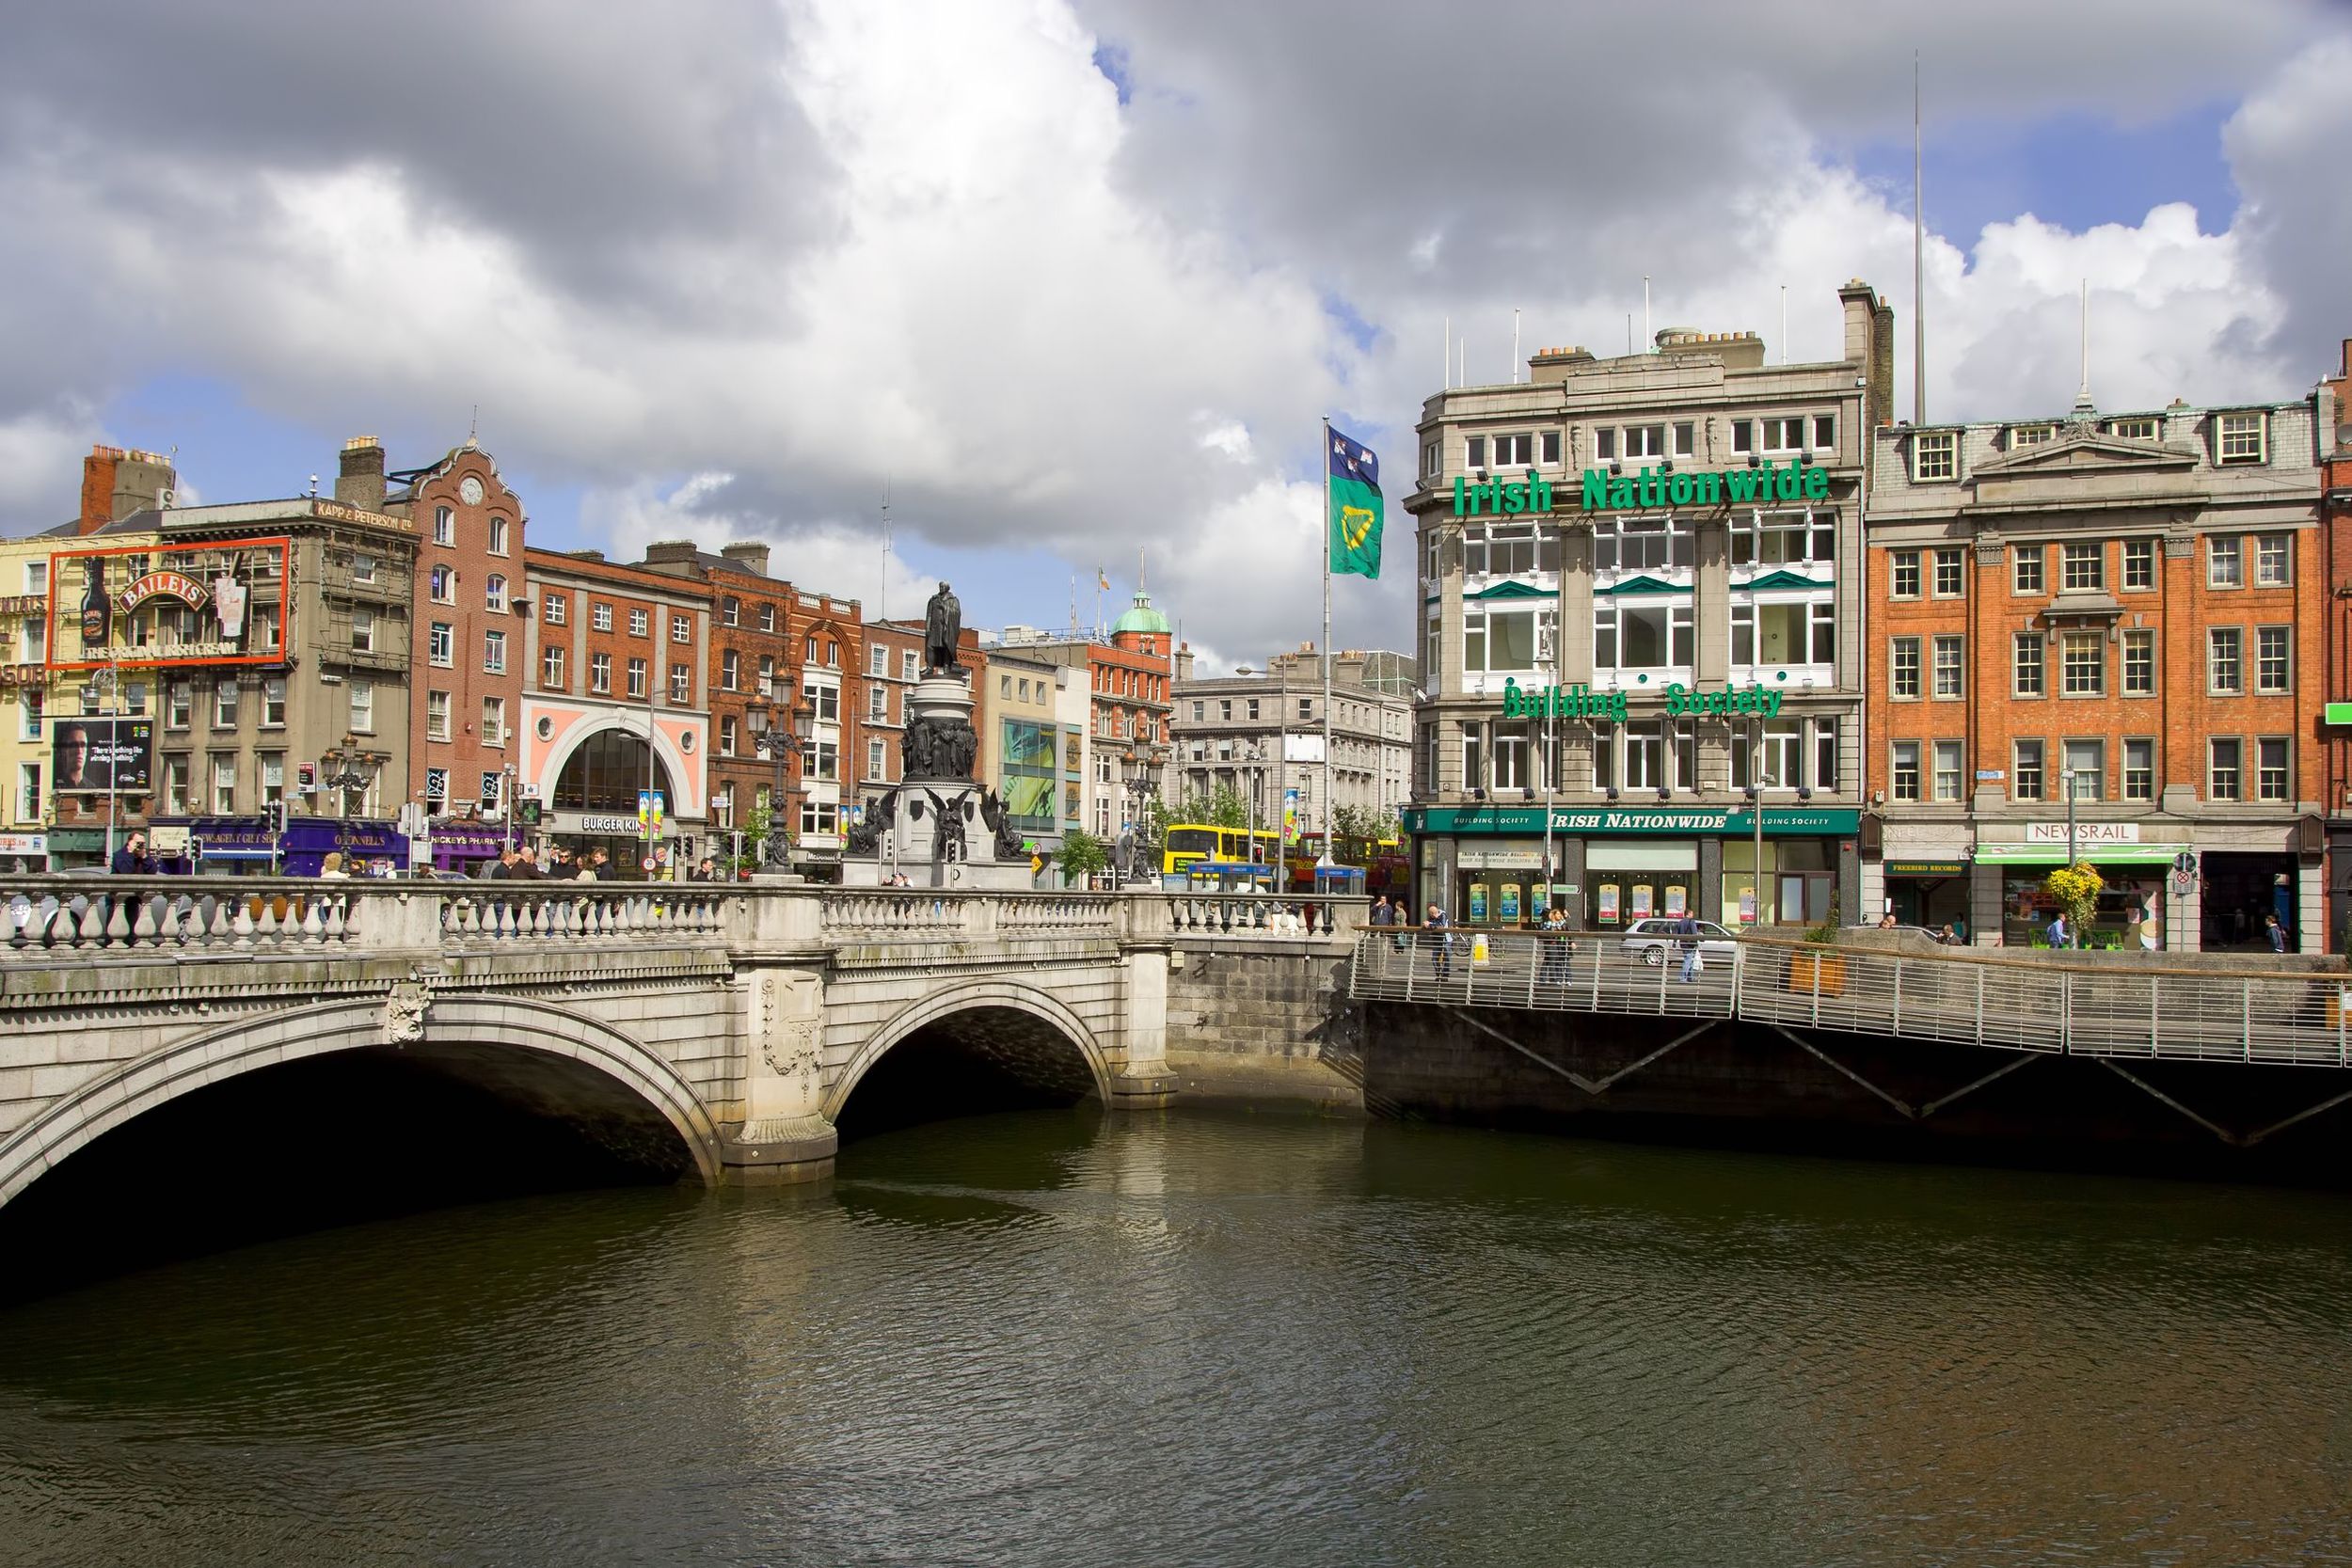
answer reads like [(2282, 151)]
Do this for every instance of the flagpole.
[(1331, 826)]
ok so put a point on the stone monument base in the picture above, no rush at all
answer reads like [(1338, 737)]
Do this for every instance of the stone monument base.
[(934, 830)]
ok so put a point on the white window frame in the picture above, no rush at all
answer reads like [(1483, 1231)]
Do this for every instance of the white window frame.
[(1934, 456), (2241, 436)]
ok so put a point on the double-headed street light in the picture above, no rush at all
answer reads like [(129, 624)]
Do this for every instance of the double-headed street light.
[(778, 741), (2066, 782)]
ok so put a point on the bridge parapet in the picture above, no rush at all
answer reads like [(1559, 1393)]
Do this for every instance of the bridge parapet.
[(1264, 915)]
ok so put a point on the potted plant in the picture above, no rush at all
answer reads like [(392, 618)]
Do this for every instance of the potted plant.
[(2075, 889), (1820, 974)]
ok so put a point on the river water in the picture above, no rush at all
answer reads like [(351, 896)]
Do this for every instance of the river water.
[(1051, 1338)]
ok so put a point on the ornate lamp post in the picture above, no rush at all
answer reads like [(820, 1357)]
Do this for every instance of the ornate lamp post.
[(776, 737), (341, 771)]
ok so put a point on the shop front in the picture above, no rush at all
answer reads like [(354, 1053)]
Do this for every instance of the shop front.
[(1930, 891), (466, 847), (1609, 867), (2136, 907)]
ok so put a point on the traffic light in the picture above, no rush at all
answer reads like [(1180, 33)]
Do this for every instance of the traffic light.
[(273, 816)]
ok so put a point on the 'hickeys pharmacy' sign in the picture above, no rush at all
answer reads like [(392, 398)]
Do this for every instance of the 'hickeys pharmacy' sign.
[(1645, 491)]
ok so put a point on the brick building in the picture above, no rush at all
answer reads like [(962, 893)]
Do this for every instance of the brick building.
[(2335, 438), (2126, 608), (617, 654), (1131, 674)]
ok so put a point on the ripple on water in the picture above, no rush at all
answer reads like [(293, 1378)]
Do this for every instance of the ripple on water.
[(1052, 1338)]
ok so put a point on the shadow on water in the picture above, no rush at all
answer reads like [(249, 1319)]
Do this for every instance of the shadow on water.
[(328, 1141)]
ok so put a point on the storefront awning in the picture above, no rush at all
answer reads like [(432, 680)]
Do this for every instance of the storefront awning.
[(2097, 854)]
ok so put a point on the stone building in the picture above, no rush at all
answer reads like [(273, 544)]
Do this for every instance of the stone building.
[(1643, 606), (1033, 751), (1259, 731), (2108, 620)]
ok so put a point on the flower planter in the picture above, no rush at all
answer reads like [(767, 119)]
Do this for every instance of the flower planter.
[(1823, 975)]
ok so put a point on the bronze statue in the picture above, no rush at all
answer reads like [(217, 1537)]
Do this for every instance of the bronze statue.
[(942, 629)]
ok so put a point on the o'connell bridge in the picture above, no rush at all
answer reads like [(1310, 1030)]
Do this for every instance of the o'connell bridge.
[(723, 1030)]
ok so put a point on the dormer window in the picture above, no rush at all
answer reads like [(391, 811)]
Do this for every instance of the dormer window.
[(2022, 435), (1936, 456), (2139, 428), (2241, 438)]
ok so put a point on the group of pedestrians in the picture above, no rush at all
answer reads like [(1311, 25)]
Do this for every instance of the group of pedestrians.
[(564, 866)]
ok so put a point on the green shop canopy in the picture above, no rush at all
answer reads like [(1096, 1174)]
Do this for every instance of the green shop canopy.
[(2097, 854)]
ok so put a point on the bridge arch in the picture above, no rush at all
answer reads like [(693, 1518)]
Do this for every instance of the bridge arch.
[(977, 995), (532, 1026)]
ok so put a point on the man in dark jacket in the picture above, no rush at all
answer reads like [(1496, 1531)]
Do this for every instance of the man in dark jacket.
[(132, 860)]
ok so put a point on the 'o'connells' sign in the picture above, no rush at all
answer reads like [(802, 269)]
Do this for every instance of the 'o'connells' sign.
[(1602, 491)]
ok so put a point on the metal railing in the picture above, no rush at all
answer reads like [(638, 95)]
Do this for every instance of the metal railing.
[(2301, 1017)]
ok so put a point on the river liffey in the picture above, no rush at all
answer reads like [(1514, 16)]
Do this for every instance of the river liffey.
[(1048, 1338)]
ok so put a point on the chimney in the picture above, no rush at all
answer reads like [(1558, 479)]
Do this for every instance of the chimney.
[(360, 483), (1183, 661), (1861, 303), (753, 558), (117, 481), (671, 552)]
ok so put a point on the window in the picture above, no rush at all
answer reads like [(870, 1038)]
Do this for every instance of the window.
[(2025, 568), (2030, 435), (1787, 434), (1432, 458), (819, 816), (601, 617), (2225, 563), (1551, 452), (640, 622), (1510, 758), (682, 628), (31, 698), (2087, 761), (2140, 664), (1825, 754), (1474, 452), (363, 708), (225, 705), (494, 592), (224, 784), (2140, 769), (600, 673), (436, 715), (552, 609), (1500, 640), (1903, 778), (2224, 675), (1903, 667), (2224, 762), (833, 653), (1643, 545), (28, 792), (2270, 769), (2139, 563), (436, 789), (2083, 664), (906, 664), (274, 702), (827, 701), (766, 684), (551, 669), (176, 786), (363, 568), (494, 653), (441, 644), (1514, 451), (1950, 678), (637, 675), (2025, 767), (766, 617), (2026, 665), (1947, 770), (1200, 711), (497, 535), (878, 703), (876, 659), (2239, 438), (1633, 636), (363, 629), (2271, 561), (494, 722), (1949, 584), (2271, 672), (35, 576), (443, 585), (179, 699), (1935, 458), (1824, 431), (726, 734), (826, 760), (681, 684), (2142, 429), (444, 526), (1784, 538), (1784, 754), (2083, 567), (1799, 633), (875, 755), (1903, 574)]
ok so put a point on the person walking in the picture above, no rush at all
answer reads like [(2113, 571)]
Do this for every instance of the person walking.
[(1558, 948), (1441, 940), (2276, 932), (331, 868), (2059, 933), (1687, 933)]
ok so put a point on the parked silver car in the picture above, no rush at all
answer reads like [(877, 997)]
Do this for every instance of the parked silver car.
[(1653, 941)]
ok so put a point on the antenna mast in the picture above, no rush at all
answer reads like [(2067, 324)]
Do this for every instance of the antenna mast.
[(1918, 264)]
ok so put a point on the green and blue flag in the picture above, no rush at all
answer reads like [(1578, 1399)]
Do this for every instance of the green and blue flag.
[(1354, 521)]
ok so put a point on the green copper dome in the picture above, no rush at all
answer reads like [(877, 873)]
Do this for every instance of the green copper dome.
[(1141, 618)]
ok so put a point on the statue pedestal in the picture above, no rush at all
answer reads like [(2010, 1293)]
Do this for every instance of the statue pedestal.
[(933, 830)]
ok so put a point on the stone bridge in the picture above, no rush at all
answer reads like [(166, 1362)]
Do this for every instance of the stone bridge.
[(717, 1028)]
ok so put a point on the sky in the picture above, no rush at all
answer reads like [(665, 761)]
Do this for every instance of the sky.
[(1071, 283)]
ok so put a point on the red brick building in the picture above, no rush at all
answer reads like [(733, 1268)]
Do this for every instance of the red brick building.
[(2126, 610), (2335, 438), (469, 629)]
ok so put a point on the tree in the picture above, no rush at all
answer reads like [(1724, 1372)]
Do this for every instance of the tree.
[(1082, 855), (755, 828), (1364, 822), (1223, 807)]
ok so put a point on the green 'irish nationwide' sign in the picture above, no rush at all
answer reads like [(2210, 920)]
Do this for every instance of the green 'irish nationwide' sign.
[(1650, 488)]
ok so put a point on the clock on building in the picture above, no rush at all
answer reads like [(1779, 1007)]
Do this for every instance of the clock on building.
[(470, 490)]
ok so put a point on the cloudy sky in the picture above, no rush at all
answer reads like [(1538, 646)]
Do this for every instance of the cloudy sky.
[(1072, 279)]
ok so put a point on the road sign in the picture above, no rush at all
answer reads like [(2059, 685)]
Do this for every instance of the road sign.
[(2183, 882), (645, 863), (2185, 863)]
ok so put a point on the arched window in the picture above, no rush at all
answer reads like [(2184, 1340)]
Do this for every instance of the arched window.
[(497, 535), (496, 590), (606, 773), (444, 585)]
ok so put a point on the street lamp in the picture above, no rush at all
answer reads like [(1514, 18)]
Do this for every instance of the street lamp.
[(777, 742), (347, 779), (1140, 788), (2066, 782)]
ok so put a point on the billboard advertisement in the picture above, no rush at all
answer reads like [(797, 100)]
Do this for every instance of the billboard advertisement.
[(92, 755), (166, 606), (1027, 770)]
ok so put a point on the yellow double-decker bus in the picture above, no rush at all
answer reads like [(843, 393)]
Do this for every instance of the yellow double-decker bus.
[(1186, 842)]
